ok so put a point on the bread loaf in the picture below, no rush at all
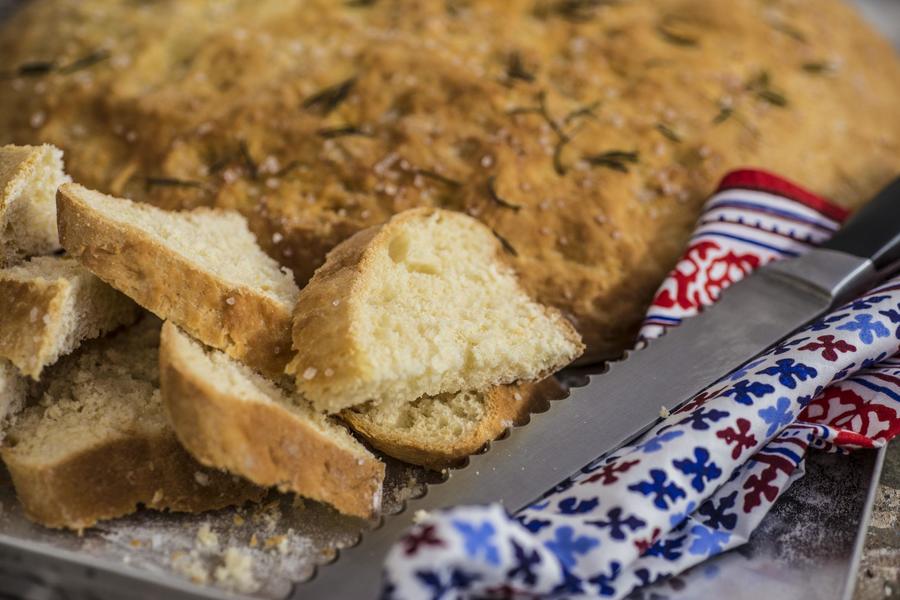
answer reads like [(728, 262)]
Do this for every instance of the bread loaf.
[(586, 134)]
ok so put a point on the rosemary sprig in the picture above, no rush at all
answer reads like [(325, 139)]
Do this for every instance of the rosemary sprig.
[(328, 99), (668, 132), (493, 195), (86, 61), (516, 69), (438, 177), (617, 160), (761, 85), (668, 29), (342, 131), (173, 182), (505, 243)]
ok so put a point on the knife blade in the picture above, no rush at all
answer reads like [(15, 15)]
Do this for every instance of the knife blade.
[(617, 406)]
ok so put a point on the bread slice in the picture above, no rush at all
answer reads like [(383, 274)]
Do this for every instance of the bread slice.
[(98, 444), (201, 269), (437, 432), (229, 417), (49, 305), (420, 306), (29, 176), (13, 392)]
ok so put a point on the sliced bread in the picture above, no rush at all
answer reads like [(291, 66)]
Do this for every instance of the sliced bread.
[(29, 177), (201, 269), (420, 306), (49, 305), (438, 431), (98, 444), (229, 417), (13, 392)]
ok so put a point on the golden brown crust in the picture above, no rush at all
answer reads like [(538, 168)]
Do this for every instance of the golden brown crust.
[(264, 442), (249, 326), (112, 479), (505, 406)]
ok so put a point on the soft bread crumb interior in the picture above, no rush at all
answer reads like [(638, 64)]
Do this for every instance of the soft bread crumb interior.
[(217, 241), (30, 226), (438, 312), (439, 420), (84, 307), (110, 390)]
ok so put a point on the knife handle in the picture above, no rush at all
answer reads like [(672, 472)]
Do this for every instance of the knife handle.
[(874, 231)]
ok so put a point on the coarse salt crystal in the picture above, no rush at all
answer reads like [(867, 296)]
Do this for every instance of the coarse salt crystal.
[(329, 372), (487, 160), (276, 238), (33, 314), (309, 373), (201, 478), (37, 119), (336, 302), (229, 301)]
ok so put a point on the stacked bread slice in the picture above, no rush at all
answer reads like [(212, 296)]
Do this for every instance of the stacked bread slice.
[(85, 434), (416, 333)]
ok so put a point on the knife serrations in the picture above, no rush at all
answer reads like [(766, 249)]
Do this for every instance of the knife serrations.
[(612, 408)]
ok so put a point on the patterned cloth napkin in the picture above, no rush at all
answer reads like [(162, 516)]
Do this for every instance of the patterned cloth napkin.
[(701, 481)]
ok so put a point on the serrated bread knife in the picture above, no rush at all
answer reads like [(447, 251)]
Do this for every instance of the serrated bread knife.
[(616, 406)]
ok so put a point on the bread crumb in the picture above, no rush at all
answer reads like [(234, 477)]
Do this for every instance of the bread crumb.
[(420, 515), (192, 569), (277, 542), (254, 541), (207, 539), (237, 572), (664, 412), (238, 520)]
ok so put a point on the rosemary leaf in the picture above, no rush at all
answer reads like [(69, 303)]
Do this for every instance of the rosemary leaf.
[(761, 85), (342, 131), (89, 60), (725, 113), (617, 160), (558, 165), (584, 111), (438, 177), (173, 182), (252, 167), (818, 68), (789, 30), (577, 11), (668, 132), (668, 29), (35, 69), (492, 193), (515, 68), (505, 243), (326, 100)]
